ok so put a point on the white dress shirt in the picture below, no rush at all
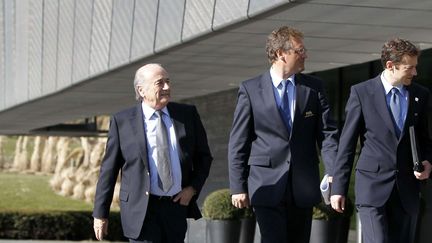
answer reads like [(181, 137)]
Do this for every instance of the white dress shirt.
[(402, 91), (277, 90), (150, 123)]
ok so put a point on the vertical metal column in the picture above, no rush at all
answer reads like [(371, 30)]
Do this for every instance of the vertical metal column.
[(359, 230)]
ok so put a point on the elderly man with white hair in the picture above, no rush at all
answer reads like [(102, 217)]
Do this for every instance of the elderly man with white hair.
[(162, 153)]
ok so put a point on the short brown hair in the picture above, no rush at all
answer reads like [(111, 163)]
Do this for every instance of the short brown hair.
[(394, 50), (280, 39)]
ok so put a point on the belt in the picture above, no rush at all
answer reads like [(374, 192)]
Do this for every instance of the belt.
[(162, 198)]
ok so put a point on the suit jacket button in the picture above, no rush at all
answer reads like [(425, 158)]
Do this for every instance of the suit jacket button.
[(147, 193)]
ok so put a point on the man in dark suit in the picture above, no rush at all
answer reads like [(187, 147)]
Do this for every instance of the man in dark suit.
[(281, 118), (161, 150), (379, 112)]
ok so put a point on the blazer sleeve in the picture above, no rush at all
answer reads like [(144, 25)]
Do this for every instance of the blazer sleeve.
[(347, 145), (109, 171), (240, 143), (327, 138)]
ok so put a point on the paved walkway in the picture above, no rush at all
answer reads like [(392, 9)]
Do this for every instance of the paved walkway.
[(196, 234)]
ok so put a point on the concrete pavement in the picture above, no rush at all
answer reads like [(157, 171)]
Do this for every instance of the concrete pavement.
[(196, 234)]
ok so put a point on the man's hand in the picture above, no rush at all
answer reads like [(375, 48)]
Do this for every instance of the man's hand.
[(100, 227), (427, 170), (185, 195), (240, 200), (338, 203)]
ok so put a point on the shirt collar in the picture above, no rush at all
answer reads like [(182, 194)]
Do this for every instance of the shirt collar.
[(388, 86), (148, 111), (276, 80)]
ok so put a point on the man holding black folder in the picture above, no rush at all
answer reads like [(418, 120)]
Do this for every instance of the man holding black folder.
[(380, 112)]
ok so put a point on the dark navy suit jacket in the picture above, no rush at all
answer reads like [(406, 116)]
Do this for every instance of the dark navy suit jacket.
[(126, 151), (261, 152), (385, 161)]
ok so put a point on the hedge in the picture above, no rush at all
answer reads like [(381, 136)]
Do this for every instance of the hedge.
[(55, 226)]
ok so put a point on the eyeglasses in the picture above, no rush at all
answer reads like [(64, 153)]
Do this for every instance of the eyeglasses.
[(300, 51)]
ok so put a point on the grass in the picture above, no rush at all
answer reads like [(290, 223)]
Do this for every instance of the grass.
[(21, 192)]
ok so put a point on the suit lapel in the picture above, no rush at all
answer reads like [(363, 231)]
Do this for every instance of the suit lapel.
[(409, 120), (302, 97), (137, 125), (179, 128), (380, 102), (269, 102)]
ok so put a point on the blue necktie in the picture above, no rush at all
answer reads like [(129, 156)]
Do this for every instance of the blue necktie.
[(284, 106), (395, 107)]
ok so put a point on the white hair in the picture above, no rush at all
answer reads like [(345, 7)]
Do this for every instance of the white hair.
[(140, 78)]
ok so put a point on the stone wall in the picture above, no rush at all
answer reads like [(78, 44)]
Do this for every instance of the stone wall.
[(216, 111)]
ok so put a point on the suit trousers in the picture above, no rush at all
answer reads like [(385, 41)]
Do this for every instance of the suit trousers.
[(387, 224), (284, 223), (165, 222)]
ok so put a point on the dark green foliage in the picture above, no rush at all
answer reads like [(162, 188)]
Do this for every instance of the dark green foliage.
[(54, 226), (326, 212), (217, 205), (247, 213)]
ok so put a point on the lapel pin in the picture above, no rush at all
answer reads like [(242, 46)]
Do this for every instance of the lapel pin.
[(416, 99), (309, 113)]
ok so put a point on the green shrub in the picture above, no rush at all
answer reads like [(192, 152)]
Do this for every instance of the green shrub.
[(217, 205), (55, 226)]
